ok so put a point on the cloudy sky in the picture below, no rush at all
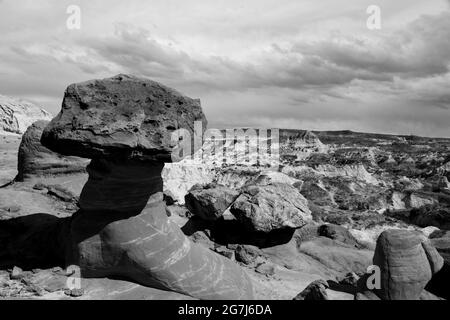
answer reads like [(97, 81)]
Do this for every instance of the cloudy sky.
[(307, 64)]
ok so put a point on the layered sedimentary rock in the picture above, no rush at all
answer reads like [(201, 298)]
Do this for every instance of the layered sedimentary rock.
[(124, 124), (17, 115), (407, 262), (35, 160)]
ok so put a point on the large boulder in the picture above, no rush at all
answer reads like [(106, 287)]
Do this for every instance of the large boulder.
[(271, 207), (35, 160), (124, 117), (210, 202), (407, 262), (124, 124)]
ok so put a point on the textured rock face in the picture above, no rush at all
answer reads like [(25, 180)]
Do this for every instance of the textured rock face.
[(121, 116), (35, 160), (271, 207), (181, 176), (17, 115), (407, 262), (211, 202), (338, 233), (122, 228), (315, 291)]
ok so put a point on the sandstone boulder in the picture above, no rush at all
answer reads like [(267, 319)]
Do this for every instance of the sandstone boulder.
[(123, 116), (407, 262), (271, 207), (210, 203), (35, 160)]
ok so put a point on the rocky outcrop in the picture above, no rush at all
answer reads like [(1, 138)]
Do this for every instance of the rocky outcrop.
[(266, 208), (17, 115), (338, 233), (35, 160), (315, 291), (210, 202), (124, 125), (357, 172), (407, 262), (181, 176)]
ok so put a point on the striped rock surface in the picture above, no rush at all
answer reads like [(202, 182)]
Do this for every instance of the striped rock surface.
[(35, 160), (122, 229), (407, 262)]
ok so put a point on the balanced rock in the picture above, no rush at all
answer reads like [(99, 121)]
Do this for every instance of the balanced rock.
[(123, 116), (210, 202), (271, 207), (407, 262), (124, 124), (35, 160)]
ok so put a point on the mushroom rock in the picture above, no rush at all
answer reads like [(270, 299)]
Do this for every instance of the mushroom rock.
[(407, 262), (124, 124), (35, 160)]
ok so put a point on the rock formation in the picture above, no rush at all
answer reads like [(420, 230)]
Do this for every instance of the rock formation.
[(35, 160), (271, 207), (124, 124), (17, 115), (315, 291), (210, 203), (407, 262)]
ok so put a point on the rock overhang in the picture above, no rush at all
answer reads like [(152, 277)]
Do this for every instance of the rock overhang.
[(122, 117)]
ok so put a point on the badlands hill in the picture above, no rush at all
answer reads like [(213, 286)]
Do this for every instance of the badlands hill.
[(17, 115)]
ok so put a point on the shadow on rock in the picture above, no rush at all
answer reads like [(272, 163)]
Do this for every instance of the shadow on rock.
[(225, 232), (32, 241)]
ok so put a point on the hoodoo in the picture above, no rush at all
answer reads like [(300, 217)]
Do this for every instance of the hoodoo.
[(124, 124)]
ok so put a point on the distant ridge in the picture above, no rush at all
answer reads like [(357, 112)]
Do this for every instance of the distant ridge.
[(17, 115)]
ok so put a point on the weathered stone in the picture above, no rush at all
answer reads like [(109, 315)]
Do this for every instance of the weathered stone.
[(35, 160), (267, 269), (315, 291), (75, 293), (338, 233), (16, 273), (271, 207), (17, 115), (350, 279), (124, 124), (210, 202), (61, 193), (407, 261), (121, 117), (225, 252), (247, 254)]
